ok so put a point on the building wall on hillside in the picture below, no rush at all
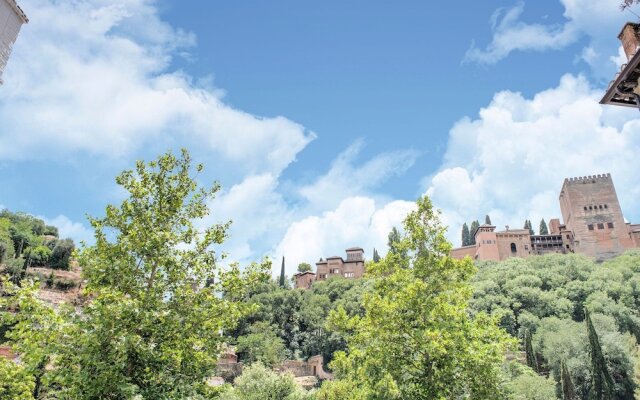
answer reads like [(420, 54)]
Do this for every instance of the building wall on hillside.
[(304, 280), (634, 233), (514, 243), (486, 243), (591, 210), (462, 252)]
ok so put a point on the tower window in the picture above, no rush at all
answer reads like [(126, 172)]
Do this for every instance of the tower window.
[(590, 226), (585, 208), (590, 208), (600, 206), (513, 248), (605, 206), (610, 225), (600, 226)]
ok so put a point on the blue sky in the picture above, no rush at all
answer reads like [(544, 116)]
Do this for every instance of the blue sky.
[(322, 121)]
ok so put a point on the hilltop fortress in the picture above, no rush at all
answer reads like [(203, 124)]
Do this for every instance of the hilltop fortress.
[(593, 225)]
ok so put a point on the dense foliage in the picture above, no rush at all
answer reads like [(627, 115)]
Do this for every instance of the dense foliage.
[(294, 320), (415, 339), (549, 296), (157, 299), (33, 243)]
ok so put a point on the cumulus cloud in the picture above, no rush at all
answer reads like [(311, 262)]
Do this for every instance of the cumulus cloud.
[(93, 77), (70, 229), (510, 162), (357, 221), (349, 177), (599, 21)]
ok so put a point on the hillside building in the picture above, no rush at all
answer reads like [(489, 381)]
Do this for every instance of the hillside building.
[(593, 225), (11, 20), (352, 268)]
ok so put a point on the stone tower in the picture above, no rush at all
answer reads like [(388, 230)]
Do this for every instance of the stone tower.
[(591, 210)]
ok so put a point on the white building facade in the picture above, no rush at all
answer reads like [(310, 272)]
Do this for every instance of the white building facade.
[(11, 20)]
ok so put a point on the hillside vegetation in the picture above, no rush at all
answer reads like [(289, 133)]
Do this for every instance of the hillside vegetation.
[(159, 308)]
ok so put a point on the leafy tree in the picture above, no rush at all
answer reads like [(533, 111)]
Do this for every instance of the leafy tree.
[(543, 227), (416, 339), (304, 267), (466, 239), (487, 219), (628, 3), (522, 383), (40, 256), (532, 362), (152, 326), (602, 384), (15, 382), (376, 256), (261, 345), (472, 232), (61, 254), (393, 243), (50, 231), (260, 383), (568, 390)]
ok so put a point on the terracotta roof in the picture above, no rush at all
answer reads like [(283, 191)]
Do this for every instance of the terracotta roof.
[(305, 272)]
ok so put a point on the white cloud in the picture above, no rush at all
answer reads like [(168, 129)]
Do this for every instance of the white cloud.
[(511, 161), (92, 77), (357, 221), (599, 21), (70, 229), (510, 34), (348, 177)]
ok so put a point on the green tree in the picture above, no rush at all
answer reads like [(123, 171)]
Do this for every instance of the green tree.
[(152, 325), (466, 239), (262, 344), (568, 391), (472, 232), (376, 256), (602, 385), (283, 279), (260, 383), (487, 219), (416, 339), (61, 254), (15, 382), (532, 361), (393, 243), (527, 225), (304, 267), (543, 227), (40, 256)]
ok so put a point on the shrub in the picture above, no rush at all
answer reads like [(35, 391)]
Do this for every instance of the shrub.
[(61, 254), (40, 256), (64, 284)]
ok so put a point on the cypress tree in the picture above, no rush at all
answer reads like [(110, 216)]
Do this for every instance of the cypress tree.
[(376, 256), (568, 390), (528, 349), (543, 227), (466, 238), (472, 232), (487, 219), (601, 382), (282, 281), (527, 225)]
